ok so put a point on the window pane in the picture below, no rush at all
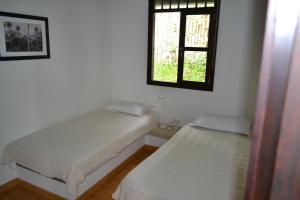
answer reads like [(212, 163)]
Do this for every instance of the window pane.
[(196, 33), (183, 3), (174, 4), (192, 3), (166, 42), (166, 4), (200, 3), (210, 3), (158, 4), (194, 66)]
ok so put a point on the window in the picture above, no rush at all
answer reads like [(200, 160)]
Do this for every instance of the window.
[(182, 43)]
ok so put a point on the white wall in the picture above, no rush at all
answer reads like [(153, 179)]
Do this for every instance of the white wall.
[(99, 52), (77, 79), (237, 63)]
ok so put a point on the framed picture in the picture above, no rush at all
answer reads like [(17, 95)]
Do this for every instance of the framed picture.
[(23, 37)]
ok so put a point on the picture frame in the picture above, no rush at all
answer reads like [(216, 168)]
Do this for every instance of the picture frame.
[(23, 37)]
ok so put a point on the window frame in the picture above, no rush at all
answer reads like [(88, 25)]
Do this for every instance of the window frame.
[(211, 48)]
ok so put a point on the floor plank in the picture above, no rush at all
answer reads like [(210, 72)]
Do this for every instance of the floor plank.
[(19, 193), (103, 193)]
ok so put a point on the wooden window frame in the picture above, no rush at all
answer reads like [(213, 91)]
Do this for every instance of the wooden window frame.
[(211, 49)]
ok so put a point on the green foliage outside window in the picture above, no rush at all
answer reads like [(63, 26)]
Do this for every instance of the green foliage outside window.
[(194, 70)]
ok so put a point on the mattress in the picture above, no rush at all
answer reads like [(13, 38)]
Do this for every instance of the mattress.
[(195, 164), (72, 150)]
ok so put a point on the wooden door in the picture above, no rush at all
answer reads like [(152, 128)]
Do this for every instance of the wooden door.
[(274, 169)]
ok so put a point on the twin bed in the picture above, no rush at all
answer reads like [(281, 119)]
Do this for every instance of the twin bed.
[(70, 151), (195, 164)]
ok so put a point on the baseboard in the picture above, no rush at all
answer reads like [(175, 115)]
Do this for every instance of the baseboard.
[(155, 141)]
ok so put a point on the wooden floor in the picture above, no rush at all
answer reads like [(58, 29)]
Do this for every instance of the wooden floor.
[(23, 192)]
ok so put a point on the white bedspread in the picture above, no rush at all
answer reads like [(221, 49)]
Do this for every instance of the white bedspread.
[(196, 164), (73, 149)]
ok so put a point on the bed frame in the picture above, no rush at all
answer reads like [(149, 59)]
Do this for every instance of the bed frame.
[(58, 187)]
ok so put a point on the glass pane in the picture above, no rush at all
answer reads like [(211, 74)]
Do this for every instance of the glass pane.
[(174, 4), (196, 33), (166, 4), (158, 4), (166, 45), (192, 3), (210, 3), (201, 4), (194, 68), (183, 3)]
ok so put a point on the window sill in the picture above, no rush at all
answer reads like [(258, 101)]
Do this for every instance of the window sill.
[(184, 85)]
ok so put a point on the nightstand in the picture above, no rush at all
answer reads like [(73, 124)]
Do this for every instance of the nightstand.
[(165, 133)]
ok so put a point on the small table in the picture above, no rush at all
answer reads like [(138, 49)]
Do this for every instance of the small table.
[(165, 133)]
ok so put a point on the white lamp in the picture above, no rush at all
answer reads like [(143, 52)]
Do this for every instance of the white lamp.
[(163, 124)]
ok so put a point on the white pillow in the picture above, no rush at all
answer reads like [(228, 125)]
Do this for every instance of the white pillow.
[(136, 109), (224, 123)]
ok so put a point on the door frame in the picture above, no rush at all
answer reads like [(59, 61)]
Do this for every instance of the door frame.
[(270, 134)]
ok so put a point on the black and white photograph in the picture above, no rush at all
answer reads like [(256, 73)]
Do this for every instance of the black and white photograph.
[(20, 37), (23, 37)]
